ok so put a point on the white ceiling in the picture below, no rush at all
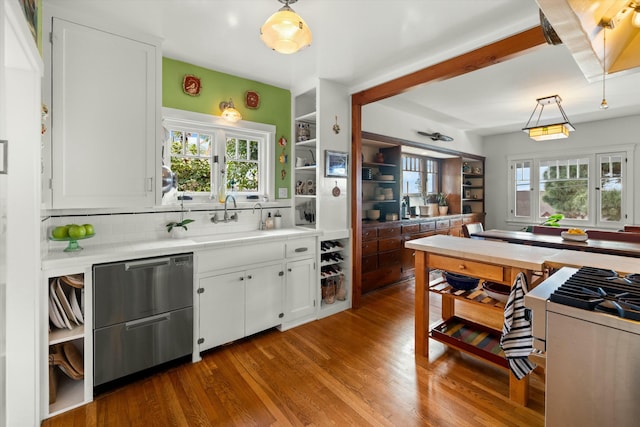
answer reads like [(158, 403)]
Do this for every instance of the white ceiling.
[(361, 43)]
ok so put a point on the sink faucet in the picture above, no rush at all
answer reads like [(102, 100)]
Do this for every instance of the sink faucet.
[(258, 205), (233, 217)]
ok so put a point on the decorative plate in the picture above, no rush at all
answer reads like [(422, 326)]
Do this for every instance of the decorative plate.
[(191, 85), (252, 99)]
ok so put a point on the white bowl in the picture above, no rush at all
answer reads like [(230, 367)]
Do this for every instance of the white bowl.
[(574, 237), (373, 214), (496, 291), (380, 197), (386, 178)]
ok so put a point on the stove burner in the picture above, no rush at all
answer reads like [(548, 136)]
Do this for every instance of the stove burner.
[(601, 290)]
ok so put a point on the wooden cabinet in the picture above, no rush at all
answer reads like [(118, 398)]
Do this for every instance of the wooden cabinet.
[(105, 114), (382, 178), (301, 282), (335, 277), (473, 186)]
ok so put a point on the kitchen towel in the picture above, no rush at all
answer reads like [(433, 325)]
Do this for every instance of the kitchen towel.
[(516, 340)]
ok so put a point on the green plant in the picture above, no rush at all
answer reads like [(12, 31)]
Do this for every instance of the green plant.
[(183, 224), (430, 198), (553, 220), (442, 199)]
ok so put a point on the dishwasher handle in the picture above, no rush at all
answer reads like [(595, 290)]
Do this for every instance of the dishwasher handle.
[(156, 262), (147, 321)]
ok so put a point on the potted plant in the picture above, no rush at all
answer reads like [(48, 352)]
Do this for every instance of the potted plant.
[(430, 205), (443, 204), (178, 229)]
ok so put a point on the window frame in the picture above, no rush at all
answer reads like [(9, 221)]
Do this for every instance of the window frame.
[(594, 155), (220, 130)]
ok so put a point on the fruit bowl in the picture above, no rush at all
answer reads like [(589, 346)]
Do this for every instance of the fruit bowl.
[(73, 242), (460, 282), (574, 237)]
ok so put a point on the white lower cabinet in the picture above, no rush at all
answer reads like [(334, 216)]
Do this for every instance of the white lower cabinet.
[(241, 303), (301, 287)]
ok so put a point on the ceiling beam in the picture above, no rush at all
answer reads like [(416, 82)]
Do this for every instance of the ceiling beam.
[(485, 56)]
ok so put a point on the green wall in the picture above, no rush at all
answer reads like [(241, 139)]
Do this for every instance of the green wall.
[(274, 109)]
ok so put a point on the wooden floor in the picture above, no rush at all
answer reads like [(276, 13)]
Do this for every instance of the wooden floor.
[(355, 368)]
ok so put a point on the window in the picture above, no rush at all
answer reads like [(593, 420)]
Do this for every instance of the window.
[(589, 190), (419, 175), (206, 152)]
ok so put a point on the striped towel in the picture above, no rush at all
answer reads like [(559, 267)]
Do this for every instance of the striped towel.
[(516, 340)]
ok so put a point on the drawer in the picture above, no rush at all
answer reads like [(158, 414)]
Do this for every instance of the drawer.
[(300, 247), (471, 268), (389, 244), (369, 234), (125, 348), (418, 236), (239, 256), (428, 226), (408, 229), (455, 222), (381, 277), (392, 258), (370, 247), (369, 263), (442, 224), (389, 231)]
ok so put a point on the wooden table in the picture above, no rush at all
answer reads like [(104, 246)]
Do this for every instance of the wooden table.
[(490, 260), (609, 247)]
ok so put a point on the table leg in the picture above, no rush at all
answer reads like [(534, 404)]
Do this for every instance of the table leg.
[(421, 319), (519, 389)]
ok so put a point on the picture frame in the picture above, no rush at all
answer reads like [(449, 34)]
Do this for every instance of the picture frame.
[(335, 164)]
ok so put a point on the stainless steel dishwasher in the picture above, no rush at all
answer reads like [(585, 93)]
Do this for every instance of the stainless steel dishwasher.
[(143, 314)]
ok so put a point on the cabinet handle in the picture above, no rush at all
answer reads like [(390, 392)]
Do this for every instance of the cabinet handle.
[(301, 249), (249, 277), (241, 278), (462, 267), (289, 269), (147, 321)]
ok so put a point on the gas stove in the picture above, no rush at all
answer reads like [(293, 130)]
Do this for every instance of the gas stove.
[(603, 290)]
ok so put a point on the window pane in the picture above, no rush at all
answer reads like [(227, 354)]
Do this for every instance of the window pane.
[(411, 182), (564, 188), (205, 145), (611, 187), (176, 142), (192, 143), (253, 150), (231, 149), (523, 188)]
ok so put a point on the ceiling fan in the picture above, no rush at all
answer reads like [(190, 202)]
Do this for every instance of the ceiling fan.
[(436, 136)]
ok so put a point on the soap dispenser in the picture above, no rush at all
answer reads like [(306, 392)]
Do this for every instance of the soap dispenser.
[(268, 223)]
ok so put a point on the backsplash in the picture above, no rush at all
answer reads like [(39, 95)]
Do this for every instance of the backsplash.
[(148, 226)]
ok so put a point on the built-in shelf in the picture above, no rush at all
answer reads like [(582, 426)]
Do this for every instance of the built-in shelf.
[(61, 335), (307, 118), (373, 181), (373, 164), (307, 143)]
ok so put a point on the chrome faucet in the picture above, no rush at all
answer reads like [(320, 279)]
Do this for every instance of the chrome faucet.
[(233, 217), (261, 224)]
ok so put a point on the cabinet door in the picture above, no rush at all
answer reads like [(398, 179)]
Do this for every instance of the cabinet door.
[(300, 290), (221, 309), (104, 127), (264, 294)]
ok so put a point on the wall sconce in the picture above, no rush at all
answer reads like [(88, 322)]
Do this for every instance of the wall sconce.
[(229, 111), (635, 18), (539, 132)]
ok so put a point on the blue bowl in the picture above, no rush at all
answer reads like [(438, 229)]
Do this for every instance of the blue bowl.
[(463, 283)]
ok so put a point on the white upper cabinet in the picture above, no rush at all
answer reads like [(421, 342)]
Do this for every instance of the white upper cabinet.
[(105, 110)]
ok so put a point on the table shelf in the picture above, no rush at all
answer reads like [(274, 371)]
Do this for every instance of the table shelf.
[(477, 295), (470, 337)]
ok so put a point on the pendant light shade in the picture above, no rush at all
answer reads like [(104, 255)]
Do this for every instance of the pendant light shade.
[(547, 132), (285, 31)]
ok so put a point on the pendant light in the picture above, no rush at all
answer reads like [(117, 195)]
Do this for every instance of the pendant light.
[(603, 104), (558, 130), (285, 31)]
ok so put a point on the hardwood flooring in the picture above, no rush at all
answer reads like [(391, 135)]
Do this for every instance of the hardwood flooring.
[(355, 368)]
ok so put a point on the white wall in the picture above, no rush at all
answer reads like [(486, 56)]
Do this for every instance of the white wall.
[(377, 118), (599, 134)]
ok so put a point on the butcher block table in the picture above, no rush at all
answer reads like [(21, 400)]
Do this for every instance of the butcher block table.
[(493, 261)]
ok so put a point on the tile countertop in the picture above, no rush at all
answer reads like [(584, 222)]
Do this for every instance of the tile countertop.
[(58, 259), (494, 252)]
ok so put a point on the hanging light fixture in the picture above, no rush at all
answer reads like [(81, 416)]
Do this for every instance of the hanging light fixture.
[(229, 111), (551, 131), (603, 104), (285, 31)]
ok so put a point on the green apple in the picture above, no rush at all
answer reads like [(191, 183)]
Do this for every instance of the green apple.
[(77, 231), (60, 232), (88, 228)]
